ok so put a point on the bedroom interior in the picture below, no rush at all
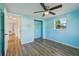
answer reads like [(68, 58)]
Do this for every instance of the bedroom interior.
[(39, 29)]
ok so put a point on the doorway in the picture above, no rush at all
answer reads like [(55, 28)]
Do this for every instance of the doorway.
[(38, 32), (13, 37)]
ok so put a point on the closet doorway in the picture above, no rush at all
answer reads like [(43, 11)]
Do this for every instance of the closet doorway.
[(38, 33)]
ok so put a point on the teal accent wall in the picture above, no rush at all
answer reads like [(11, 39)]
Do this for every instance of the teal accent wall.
[(69, 36), (1, 30)]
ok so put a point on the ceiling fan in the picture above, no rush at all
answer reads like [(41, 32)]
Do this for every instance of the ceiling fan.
[(48, 10)]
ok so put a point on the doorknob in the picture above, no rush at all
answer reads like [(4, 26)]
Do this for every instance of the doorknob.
[(5, 34)]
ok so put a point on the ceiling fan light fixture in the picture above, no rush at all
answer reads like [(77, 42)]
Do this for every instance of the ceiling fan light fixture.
[(46, 12)]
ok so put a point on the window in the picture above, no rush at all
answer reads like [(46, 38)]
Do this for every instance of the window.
[(60, 23)]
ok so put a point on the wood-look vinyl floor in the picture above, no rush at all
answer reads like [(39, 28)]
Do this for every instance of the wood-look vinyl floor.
[(14, 46), (48, 48)]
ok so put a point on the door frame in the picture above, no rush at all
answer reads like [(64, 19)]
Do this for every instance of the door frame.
[(41, 26)]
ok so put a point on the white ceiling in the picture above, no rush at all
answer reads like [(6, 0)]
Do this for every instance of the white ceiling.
[(29, 8)]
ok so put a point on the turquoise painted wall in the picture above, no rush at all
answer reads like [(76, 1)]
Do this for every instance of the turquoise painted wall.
[(69, 36), (27, 29)]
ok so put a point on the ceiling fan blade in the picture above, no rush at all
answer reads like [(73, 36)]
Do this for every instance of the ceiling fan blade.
[(38, 11), (56, 7), (52, 13), (43, 5)]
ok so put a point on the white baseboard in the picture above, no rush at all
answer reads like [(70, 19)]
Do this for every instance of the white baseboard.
[(65, 44)]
